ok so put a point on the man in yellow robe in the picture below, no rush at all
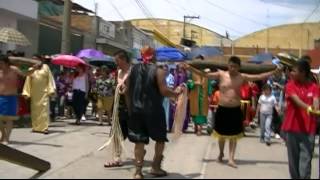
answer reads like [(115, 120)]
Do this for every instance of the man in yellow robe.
[(39, 87)]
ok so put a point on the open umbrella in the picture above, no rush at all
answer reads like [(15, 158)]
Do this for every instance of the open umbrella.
[(90, 54), (104, 61), (167, 54), (206, 51), (68, 61), (10, 35), (287, 59), (261, 58)]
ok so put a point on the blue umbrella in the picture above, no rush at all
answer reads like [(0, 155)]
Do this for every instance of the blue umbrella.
[(169, 54), (205, 51), (261, 58), (103, 61)]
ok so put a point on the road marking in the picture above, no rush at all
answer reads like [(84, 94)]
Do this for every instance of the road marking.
[(206, 160)]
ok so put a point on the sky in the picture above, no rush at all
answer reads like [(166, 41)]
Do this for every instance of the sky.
[(237, 17)]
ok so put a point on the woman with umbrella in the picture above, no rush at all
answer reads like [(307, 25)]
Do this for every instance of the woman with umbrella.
[(80, 88), (80, 85)]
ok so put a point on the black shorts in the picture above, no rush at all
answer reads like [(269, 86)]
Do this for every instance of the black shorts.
[(229, 121), (123, 120), (142, 127)]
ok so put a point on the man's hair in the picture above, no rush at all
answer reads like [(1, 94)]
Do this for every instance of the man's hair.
[(266, 87), (306, 58), (235, 60), (304, 66), (122, 55), (5, 59)]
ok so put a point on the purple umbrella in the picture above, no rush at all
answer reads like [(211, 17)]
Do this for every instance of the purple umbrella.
[(90, 53)]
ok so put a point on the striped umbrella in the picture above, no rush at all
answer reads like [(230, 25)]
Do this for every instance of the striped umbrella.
[(10, 35)]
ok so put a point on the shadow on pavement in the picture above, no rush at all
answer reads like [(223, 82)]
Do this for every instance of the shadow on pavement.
[(84, 124), (253, 162), (101, 134), (175, 176), (57, 132), (58, 125), (249, 162), (34, 143)]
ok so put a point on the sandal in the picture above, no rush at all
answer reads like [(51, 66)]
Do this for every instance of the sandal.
[(113, 164)]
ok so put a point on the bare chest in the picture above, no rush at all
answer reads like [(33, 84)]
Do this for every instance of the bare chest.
[(8, 77), (230, 83)]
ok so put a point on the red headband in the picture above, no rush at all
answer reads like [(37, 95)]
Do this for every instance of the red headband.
[(147, 54)]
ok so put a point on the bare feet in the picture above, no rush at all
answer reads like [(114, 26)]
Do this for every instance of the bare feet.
[(220, 158), (232, 164), (199, 133)]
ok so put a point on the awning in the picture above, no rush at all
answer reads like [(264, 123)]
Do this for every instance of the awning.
[(55, 7)]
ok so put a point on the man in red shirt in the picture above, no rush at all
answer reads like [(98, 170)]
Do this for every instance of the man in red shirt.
[(300, 125)]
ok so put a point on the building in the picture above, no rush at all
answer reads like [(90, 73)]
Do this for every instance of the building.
[(173, 30), (50, 27), (23, 16), (290, 36), (114, 36), (141, 39)]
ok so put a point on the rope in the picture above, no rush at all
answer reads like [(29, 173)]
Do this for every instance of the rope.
[(116, 137)]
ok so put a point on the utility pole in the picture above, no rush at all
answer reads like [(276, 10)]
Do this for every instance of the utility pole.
[(268, 33), (185, 23), (65, 43)]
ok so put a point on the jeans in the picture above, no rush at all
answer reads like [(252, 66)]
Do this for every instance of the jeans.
[(265, 125), (61, 105), (300, 150), (79, 103)]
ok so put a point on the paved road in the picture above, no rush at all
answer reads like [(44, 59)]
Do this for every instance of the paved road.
[(72, 151)]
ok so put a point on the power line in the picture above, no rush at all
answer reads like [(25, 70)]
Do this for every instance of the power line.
[(147, 13), (173, 5), (117, 10), (235, 14), (208, 19), (315, 9)]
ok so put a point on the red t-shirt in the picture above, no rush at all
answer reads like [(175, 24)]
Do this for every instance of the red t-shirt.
[(297, 119)]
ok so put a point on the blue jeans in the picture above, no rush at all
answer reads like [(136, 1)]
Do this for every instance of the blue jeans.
[(265, 125)]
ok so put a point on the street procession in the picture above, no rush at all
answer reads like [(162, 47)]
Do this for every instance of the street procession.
[(178, 89)]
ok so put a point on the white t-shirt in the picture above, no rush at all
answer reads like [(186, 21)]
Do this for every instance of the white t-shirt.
[(79, 83), (267, 103)]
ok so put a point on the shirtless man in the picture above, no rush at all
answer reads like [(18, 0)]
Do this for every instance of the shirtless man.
[(228, 122), (8, 96)]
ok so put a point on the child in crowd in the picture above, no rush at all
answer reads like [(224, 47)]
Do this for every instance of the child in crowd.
[(266, 106)]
